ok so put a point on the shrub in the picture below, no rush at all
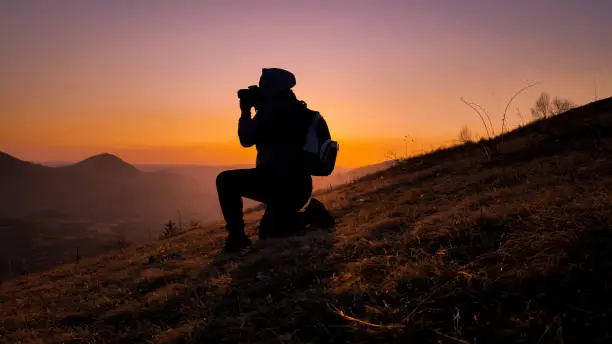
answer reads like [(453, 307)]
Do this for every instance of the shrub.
[(561, 105), (545, 108), (170, 229)]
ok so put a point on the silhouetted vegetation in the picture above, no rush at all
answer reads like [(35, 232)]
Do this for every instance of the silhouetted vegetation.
[(170, 229), (545, 107), (465, 135), (484, 116)]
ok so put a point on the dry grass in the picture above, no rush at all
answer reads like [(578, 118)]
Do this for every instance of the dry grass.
[(450, 247)]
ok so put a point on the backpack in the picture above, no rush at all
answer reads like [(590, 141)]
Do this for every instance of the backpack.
[(319, 149)]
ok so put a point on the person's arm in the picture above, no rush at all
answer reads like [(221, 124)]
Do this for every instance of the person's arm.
[(247, 129)]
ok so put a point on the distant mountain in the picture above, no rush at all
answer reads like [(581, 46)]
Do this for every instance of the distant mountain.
[(101, 186), (9, 166), (102, 165), (95, 166)]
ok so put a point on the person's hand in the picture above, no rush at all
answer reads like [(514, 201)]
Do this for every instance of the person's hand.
[(245, 109)]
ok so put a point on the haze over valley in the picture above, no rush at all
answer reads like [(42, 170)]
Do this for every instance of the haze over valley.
[(104, 203)]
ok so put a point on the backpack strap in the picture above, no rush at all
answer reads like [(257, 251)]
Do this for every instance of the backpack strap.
[(322, 129), (312, 139)]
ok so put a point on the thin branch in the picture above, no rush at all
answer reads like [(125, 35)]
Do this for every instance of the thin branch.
[(362, 322), (508, 105), (520, 115), (488, 117), (458, 340), (472, 106)]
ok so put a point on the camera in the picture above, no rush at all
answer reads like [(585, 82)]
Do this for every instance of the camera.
[(250, 96)]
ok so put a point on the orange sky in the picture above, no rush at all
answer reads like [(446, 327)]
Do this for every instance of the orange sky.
[(155, 82)]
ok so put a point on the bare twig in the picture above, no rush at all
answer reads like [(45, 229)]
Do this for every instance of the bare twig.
[(362, 322), (406, 144), (520, 115), (545, 332), (473, 107), (508, 105), (486, 115), (458, 340), (416, 308), (482, 112), (486, 152)]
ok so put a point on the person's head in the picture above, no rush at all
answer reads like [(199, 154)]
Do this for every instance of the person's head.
[(275, 83)]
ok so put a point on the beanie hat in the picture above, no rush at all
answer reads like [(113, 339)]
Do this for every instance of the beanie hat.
[(274, 80)]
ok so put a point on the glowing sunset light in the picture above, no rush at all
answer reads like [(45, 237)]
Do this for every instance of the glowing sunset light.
[(156, 81)]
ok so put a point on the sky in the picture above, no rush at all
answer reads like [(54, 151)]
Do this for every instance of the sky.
[(156, 81)]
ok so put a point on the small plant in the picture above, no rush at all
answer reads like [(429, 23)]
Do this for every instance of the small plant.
[(398, 158), (489, 128), (194, 224), (406, 139), (542, 107), (391, 155), (562, 105), (170, 229), (465, 135), (482, 112), (520, 116)]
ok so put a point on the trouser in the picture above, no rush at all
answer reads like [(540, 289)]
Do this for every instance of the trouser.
[(283, 195)]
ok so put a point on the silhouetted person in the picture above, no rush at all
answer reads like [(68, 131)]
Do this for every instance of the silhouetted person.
[(282, 130)]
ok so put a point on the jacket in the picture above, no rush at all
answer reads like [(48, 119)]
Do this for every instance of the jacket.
[(278, 131)]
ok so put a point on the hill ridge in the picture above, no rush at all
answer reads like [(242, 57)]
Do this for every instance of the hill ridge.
[(103, 162)]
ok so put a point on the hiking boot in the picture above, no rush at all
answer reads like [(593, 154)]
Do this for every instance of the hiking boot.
[(316, 215), (235, 243)]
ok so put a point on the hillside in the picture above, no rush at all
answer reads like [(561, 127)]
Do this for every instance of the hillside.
[(12, 167), (486, 242)]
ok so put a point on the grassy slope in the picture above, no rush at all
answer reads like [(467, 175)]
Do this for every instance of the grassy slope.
[(448, 247)]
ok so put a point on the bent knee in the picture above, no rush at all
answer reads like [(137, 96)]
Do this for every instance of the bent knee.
[(223, 178)]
